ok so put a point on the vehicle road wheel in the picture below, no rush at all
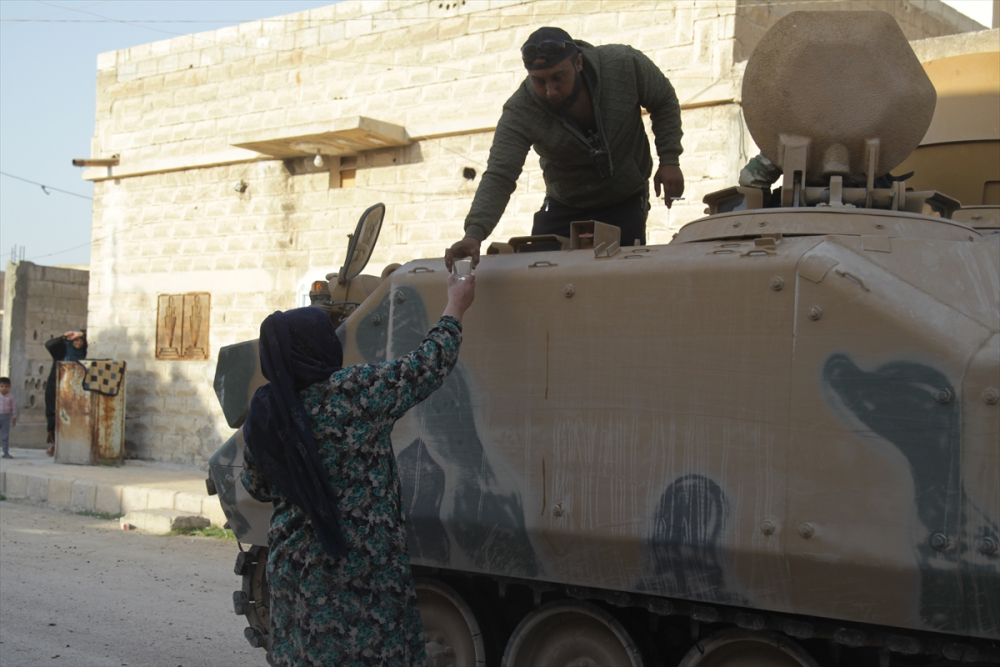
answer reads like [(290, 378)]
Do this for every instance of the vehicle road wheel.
[(571, 634), (744, 648), (451, 631), (254, 599)]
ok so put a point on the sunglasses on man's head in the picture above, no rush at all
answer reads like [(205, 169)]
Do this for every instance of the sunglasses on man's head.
[(544, 49)]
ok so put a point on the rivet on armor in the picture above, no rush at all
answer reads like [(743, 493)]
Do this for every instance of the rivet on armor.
[(376, 320), (988, 546), (807, 530), (991, 396), (767, 527), (879, 226), (943, 396), (761, 223), (400, 297), (777, 283), (815, 313), (939, 541), (568, 291), (737, 224), (558, 510)]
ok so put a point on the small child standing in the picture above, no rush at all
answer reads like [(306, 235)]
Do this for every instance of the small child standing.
[(8, 415)]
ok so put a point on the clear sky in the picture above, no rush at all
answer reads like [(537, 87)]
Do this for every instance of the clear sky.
[(48, 69), (48, 73)]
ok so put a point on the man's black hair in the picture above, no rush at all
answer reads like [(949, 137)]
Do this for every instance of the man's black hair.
[(4, 380)]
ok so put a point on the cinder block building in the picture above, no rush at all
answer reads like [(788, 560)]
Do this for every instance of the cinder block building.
[(213, 210), (39, 303)]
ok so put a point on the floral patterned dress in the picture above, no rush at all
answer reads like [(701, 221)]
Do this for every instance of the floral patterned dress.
[(361, 609)]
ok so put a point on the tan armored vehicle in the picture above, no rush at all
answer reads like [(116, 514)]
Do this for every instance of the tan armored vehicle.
[(774, 441)]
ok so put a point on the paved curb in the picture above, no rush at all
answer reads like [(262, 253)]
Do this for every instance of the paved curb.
[(136, 486)]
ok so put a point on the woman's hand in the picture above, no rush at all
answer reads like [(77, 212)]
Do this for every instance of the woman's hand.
[(461, 293), (73, 335)]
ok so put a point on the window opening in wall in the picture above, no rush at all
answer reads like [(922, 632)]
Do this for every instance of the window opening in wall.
[(182, 326)]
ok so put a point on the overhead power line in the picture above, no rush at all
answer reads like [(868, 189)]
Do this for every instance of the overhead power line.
[(46, 188)]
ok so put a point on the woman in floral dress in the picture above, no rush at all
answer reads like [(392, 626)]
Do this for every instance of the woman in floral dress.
[(318, 448)]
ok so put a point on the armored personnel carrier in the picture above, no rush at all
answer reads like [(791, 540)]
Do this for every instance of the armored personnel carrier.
[(774, 441)]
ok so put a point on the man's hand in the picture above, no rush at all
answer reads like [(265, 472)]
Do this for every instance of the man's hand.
[(467, 247), (72, 335), (672, 180), (461, 292)]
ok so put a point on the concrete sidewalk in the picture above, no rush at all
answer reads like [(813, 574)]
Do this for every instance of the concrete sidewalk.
[(155, 497)]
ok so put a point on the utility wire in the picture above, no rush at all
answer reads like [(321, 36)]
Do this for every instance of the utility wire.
[(58, 252), (46, 188)]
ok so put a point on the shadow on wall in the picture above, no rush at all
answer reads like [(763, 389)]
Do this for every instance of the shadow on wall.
[(171, 413)]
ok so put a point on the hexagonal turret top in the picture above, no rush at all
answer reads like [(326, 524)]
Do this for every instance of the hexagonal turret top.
[(840, 89)]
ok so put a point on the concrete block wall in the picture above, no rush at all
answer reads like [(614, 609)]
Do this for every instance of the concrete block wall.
[(40, 303), (412, 63), (168, 220)]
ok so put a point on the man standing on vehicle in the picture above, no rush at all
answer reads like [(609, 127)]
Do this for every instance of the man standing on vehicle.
[(579, 108)]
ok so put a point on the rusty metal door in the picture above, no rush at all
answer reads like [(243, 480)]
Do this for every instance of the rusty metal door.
[(90, 426)]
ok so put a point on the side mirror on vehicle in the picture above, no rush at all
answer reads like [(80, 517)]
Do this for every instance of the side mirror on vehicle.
[(362, 244)]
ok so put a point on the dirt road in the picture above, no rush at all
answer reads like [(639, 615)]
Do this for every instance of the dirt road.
[(77, 590)]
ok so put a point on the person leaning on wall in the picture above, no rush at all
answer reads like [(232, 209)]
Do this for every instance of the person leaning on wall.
[(71, 346)]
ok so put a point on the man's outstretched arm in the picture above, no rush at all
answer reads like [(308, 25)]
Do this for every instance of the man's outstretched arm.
[(507, 154)]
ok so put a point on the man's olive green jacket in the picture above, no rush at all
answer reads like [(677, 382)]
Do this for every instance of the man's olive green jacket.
[(626, 80)]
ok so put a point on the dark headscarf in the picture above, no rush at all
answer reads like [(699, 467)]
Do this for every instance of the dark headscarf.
[(298, 348)]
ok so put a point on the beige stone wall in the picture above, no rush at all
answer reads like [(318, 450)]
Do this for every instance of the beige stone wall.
[(39, 303), (919, 19), (168, 220)]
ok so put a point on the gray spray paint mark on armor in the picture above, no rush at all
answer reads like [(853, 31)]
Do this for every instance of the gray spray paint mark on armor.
[(423, 483), (898, 402), (238, 364), (683, 555), (485, 520), (249, 519), (221, 466)]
